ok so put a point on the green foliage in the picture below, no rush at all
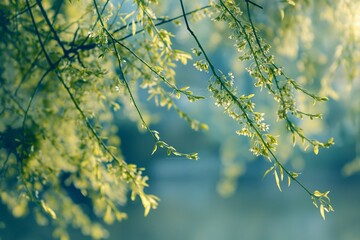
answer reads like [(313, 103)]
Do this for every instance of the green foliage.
[(70, 65)]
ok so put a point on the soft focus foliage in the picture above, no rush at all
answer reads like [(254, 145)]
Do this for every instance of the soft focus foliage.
[(69, 66)]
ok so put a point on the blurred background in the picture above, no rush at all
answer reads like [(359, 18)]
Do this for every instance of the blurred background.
[(223, 195)]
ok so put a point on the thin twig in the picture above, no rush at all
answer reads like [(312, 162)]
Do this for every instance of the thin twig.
[(289, 123), (57, 38), (22, 11), (242, 108), (156, 72), (122, 75), (162, 22), (38, 35), (255, 4)]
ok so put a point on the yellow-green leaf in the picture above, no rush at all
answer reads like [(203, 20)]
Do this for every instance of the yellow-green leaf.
[(108, 216), (250, 96), (282, 14), (184, 88), (277, 180), (322, 211), (281, 173), (133, 27), (294, 139), (267, 171), (146, 204), (178, 95), (314, 202), (289, 181), (48, 210), (120, 215), (129, 15), (154, 150), (316, 149), (318, 193), (204, 126)]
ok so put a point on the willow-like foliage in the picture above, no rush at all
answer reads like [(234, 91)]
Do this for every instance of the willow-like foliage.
[(68, 66)]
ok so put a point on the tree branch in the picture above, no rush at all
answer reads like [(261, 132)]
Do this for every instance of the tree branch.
[(239, 104), (255, 4), (57, 38)]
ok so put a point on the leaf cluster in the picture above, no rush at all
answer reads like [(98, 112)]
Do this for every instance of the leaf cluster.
[(67, 72)]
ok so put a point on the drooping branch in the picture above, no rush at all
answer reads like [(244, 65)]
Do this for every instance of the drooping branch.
[(316, 196), (153, 133), (273, 71)]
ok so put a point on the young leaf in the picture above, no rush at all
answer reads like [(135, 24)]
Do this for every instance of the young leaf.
[(322, 212), (318, 193), (281, 173), (294, 139), (133, 27), (268, 171), (108, 217), (316, 149), (277, 180), (289, 181), (48, 210), (154, 149)]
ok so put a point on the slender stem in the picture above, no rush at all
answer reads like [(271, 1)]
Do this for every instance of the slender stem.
[(22, 11), (122, 75), (20, 164), (153, 70), (165, 20), (162, 22), (242, 108), (60, 3), (289, 123), (255, 4), (77, 106), (57, 38), (247, 38), (33, 97), (86, 120), (38, 35), (263, 53), (33, 64)]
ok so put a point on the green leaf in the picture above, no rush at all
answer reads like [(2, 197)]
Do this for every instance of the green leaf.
[(281, 173), (317, 193), (108, 216), (178, 95), (193, 156), (314, 202), (268, 171), (294, 139), (282, 14), (250, 96), (204, 126), (133, 27), (289, 181), (322, 212), (316, 149), (184, 88), (48, 210), (129, 15), (120, 215), (154, 149), (277, 180)]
